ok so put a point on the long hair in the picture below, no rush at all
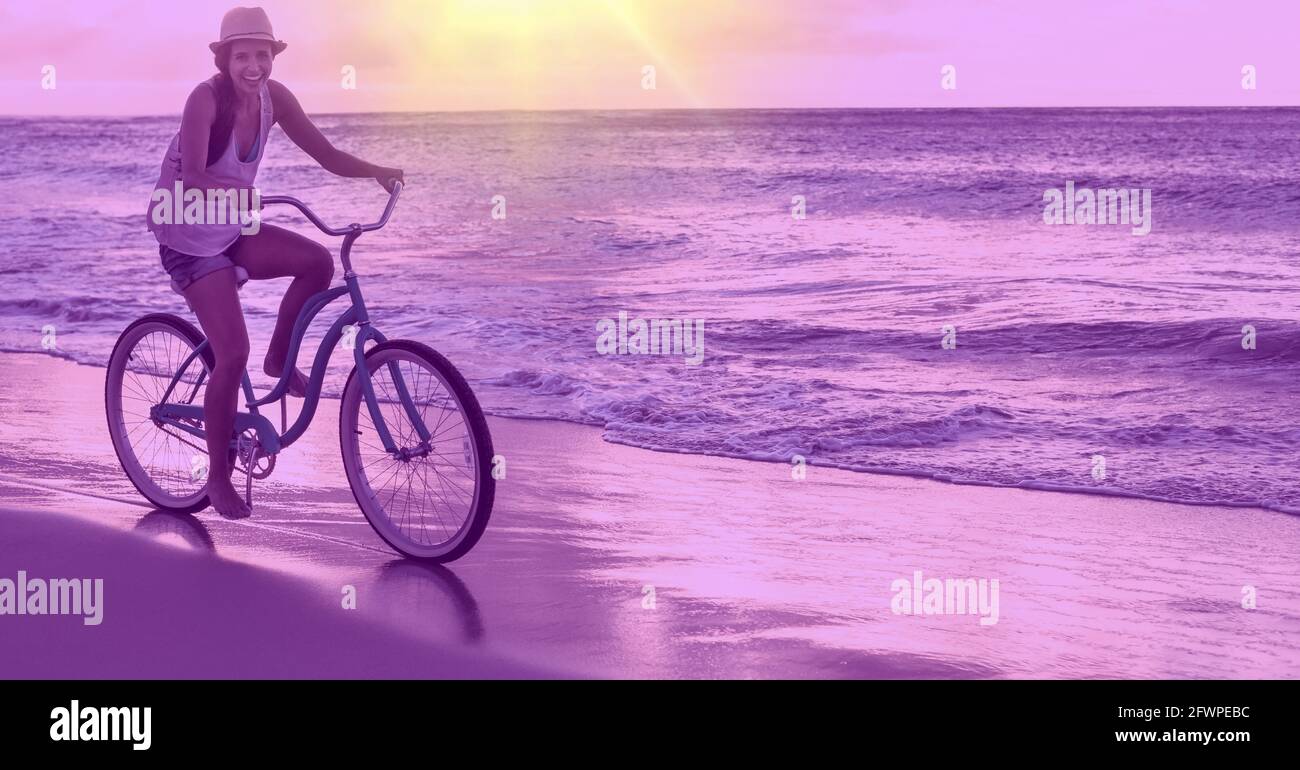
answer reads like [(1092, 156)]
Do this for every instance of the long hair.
[(224, 123)]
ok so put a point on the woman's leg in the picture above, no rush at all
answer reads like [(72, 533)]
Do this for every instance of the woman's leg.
[(277, 253), (215, 299)]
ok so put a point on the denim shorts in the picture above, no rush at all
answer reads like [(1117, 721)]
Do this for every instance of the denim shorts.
[(185, 269)]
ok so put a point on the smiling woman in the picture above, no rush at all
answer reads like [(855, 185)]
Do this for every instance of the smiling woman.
[(220, 144), (245, 65)]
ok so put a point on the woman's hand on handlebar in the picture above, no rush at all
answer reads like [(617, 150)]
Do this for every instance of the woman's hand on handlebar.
[(388, 176)]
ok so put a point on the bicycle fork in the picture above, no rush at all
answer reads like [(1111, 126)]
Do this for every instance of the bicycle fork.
[(372, 402)]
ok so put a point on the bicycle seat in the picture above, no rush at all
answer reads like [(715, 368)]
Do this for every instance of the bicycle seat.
[(241, 278)]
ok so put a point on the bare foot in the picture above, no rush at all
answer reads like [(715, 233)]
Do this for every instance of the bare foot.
[(227, 502), (297, 381)]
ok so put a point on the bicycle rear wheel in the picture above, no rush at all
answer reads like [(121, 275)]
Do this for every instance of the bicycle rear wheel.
[(167, 465), (430, 500)]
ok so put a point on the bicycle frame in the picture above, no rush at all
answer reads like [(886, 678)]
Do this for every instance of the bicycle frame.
[(181, 415)]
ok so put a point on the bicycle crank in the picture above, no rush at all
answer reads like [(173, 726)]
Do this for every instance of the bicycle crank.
[(251, 459)]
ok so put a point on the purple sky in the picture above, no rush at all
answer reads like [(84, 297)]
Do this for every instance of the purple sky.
[(143, 56)]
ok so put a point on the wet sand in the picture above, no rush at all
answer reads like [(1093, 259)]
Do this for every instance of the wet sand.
[(165, 613), (604, 560)]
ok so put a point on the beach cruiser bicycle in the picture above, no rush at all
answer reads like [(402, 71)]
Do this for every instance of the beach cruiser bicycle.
[(416, 448)]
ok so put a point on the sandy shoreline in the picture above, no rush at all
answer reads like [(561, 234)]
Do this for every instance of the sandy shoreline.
[(166, 613), (752, 573)]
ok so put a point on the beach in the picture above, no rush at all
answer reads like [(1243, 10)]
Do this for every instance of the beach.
[(604, 560), (919, 312)]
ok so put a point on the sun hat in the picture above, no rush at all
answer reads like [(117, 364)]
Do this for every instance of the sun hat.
[(247, 24)]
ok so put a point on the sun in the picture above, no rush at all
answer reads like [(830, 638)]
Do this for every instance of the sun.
[(522, 52)]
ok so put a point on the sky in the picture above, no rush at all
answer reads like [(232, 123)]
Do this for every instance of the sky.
[(142, 57)]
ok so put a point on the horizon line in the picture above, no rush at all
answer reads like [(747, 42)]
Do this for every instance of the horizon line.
[(82, 116)]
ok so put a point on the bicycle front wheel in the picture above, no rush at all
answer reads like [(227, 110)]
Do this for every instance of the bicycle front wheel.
[(428, 500)]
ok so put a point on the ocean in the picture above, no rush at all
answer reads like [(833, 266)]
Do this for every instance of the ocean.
[(921, 318)]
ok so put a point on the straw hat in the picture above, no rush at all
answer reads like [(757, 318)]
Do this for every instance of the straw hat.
[(247, 24)]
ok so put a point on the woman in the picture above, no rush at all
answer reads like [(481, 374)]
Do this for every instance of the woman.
[(221, 141)]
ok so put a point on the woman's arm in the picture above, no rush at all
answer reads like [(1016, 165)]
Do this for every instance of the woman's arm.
[(196, 124), (299, 128)]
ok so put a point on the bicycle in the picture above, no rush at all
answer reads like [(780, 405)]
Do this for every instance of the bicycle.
[(394, 461)]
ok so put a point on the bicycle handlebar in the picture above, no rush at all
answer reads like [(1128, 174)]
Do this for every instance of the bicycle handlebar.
[(315, 220)]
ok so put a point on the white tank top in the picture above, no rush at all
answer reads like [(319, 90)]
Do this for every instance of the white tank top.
[(229, 171)]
